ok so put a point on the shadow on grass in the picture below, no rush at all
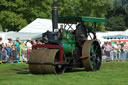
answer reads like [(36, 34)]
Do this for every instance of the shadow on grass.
[(74, 70), (26, 70), (21, 71)]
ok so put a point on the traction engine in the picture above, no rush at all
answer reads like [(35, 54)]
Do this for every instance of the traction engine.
[(67, 48)]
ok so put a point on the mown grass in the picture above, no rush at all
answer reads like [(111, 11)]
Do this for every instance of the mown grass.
[(111, 73)]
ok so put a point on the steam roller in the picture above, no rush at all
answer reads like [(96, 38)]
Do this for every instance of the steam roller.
[(65, 47)]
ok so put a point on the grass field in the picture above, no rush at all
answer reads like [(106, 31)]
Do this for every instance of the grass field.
[(111, 73)]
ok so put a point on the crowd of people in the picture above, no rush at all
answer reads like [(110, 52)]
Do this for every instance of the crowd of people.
[(115, 51), (16, 51)]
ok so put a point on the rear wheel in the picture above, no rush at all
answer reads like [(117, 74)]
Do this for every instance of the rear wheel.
[(92, 54)]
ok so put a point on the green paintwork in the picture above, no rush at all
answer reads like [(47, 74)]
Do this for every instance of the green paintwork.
[(68, 41), (75, 19)]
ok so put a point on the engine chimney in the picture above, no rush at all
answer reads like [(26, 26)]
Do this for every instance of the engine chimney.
[(55, 15)]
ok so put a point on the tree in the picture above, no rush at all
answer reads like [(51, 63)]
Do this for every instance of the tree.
[(96, 8), (11, 21), (15, 14), (28, 10), (69, 7), (117, 18), (116, 23), (38, 9), (10, 16)]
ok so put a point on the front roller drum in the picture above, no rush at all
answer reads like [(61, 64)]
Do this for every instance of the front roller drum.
[(92, 55), (42, 61)]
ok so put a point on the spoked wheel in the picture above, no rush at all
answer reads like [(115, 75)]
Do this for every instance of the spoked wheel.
[(43, 61), (92, 54), (59, 68)]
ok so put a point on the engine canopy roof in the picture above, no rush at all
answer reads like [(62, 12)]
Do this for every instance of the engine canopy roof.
[(75, 19)]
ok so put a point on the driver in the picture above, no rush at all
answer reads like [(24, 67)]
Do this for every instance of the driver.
[(60, 31)]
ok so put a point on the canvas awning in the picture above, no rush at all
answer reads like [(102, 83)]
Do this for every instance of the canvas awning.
[(116, 37), (22, 35)]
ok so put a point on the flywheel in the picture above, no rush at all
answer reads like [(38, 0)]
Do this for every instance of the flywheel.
[(92, 55)]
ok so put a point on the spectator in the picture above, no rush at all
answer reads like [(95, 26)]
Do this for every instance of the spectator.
[(34, 42), (127, 51), (114, 55), (38, 42), (8, 47), (1, 40), (1, 57), (107, 48), (10, 41), (123, 51), (18, 49), (118, 51), (102, 47), (4, 53), (23, 50), (13, 52), (29, 47)]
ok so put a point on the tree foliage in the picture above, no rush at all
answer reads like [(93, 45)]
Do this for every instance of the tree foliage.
[(117, 18), (15, 14), (11, 20), (115, 23), (11, 16), (69, 7), (96, 8)]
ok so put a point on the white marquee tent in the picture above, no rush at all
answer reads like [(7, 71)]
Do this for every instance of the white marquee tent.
[(22, 35), (3, 34), (35, 28), (41, 25), (124, 32), (38, 26)]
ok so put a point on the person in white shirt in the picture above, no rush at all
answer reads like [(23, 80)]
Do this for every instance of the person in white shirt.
[(115, 48), (29, 47), (29, 44)]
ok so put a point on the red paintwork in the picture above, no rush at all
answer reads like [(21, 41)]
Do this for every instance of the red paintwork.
[(61, 62), (51, 46)]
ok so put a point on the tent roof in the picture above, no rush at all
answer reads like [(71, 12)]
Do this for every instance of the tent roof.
[(41, 25), (116, 37), (3, 34), (38, 26), (22, 35), (124, 32), (37, 37)]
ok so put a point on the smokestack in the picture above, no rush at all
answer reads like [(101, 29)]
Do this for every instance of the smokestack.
[(55, 15)]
